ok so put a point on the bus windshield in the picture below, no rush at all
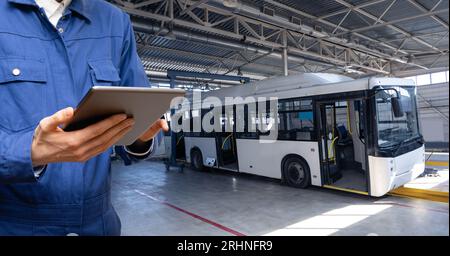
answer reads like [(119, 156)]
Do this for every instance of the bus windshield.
[(394, 131)]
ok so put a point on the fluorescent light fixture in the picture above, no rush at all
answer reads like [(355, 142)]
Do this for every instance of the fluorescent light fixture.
[(230, 3), (350, 70)]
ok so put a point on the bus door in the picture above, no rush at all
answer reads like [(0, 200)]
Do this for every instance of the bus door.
[(327, 124), (226, 143), (180, 146), (227, 155), (341, 140)]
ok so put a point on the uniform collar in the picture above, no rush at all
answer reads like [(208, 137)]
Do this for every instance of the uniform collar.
[(82, 7), (79, 6)]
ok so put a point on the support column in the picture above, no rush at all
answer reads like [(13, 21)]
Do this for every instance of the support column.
[(284, 55), (285, 62)]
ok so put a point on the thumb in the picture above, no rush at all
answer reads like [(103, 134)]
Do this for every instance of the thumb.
[(163, 124), (51, 123)]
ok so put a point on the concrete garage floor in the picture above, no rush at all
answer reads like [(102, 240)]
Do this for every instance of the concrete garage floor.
[(437, 181), (151, 201)]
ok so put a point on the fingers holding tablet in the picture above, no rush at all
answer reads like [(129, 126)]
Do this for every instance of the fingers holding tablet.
[(110, 137), (52, 144), (102, 119)]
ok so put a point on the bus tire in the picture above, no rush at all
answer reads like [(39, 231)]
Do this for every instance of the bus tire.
[(296, 172), (197, 160)]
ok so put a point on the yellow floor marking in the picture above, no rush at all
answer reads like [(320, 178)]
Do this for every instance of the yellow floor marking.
[(346, 190), (432, 195), (436, 163)]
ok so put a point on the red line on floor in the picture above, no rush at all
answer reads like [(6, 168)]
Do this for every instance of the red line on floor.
[(193, 215)]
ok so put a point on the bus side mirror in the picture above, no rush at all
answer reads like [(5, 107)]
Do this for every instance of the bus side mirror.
[(397, 108)]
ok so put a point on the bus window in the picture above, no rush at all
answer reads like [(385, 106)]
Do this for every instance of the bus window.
[(250, 124), (204, 133), (296, 125), (341, 114), (265, 119), (296, 122), (193, 132), (306, 105), (228, 119), (296, 105), (289, 106)]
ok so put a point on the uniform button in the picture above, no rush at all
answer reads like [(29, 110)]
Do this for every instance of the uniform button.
[(60, 30), (16, 72), (72, 234)]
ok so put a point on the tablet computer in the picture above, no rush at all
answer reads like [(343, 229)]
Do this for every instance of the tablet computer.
[(145, 105)]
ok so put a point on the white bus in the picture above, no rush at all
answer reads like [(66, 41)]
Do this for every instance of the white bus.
[(359, 135)]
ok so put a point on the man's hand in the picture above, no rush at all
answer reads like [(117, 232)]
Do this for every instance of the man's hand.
[(161, 124), (51, 144)]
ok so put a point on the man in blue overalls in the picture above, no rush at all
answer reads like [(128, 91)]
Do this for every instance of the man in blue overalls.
[(51, 53)]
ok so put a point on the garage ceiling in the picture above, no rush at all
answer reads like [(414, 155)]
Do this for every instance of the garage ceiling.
[(355, 37)]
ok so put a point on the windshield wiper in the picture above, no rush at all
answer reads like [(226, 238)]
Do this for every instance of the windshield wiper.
[(405, 141)]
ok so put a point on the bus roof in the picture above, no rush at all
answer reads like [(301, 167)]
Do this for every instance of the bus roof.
[(306, 84)]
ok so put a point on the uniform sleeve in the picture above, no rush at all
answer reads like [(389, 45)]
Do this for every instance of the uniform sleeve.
[(132, 73), (142, 154), (15, 157), (142, 151)]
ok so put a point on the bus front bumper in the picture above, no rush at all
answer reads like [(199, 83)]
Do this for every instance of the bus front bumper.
[(388, 173)]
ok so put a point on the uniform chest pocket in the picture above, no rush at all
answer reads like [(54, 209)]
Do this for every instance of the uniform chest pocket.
[(103, 73), (22, 85)]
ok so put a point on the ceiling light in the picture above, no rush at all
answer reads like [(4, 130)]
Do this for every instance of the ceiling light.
[(230, 3), (350, 70)]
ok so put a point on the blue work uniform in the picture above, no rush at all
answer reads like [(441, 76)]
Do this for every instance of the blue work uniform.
[(44, 69)]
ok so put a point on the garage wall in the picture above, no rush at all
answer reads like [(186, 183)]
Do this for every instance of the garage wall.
[(434, 126)]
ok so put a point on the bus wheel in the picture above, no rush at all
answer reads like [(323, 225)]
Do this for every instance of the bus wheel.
[(197, 160), (296, 172)]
